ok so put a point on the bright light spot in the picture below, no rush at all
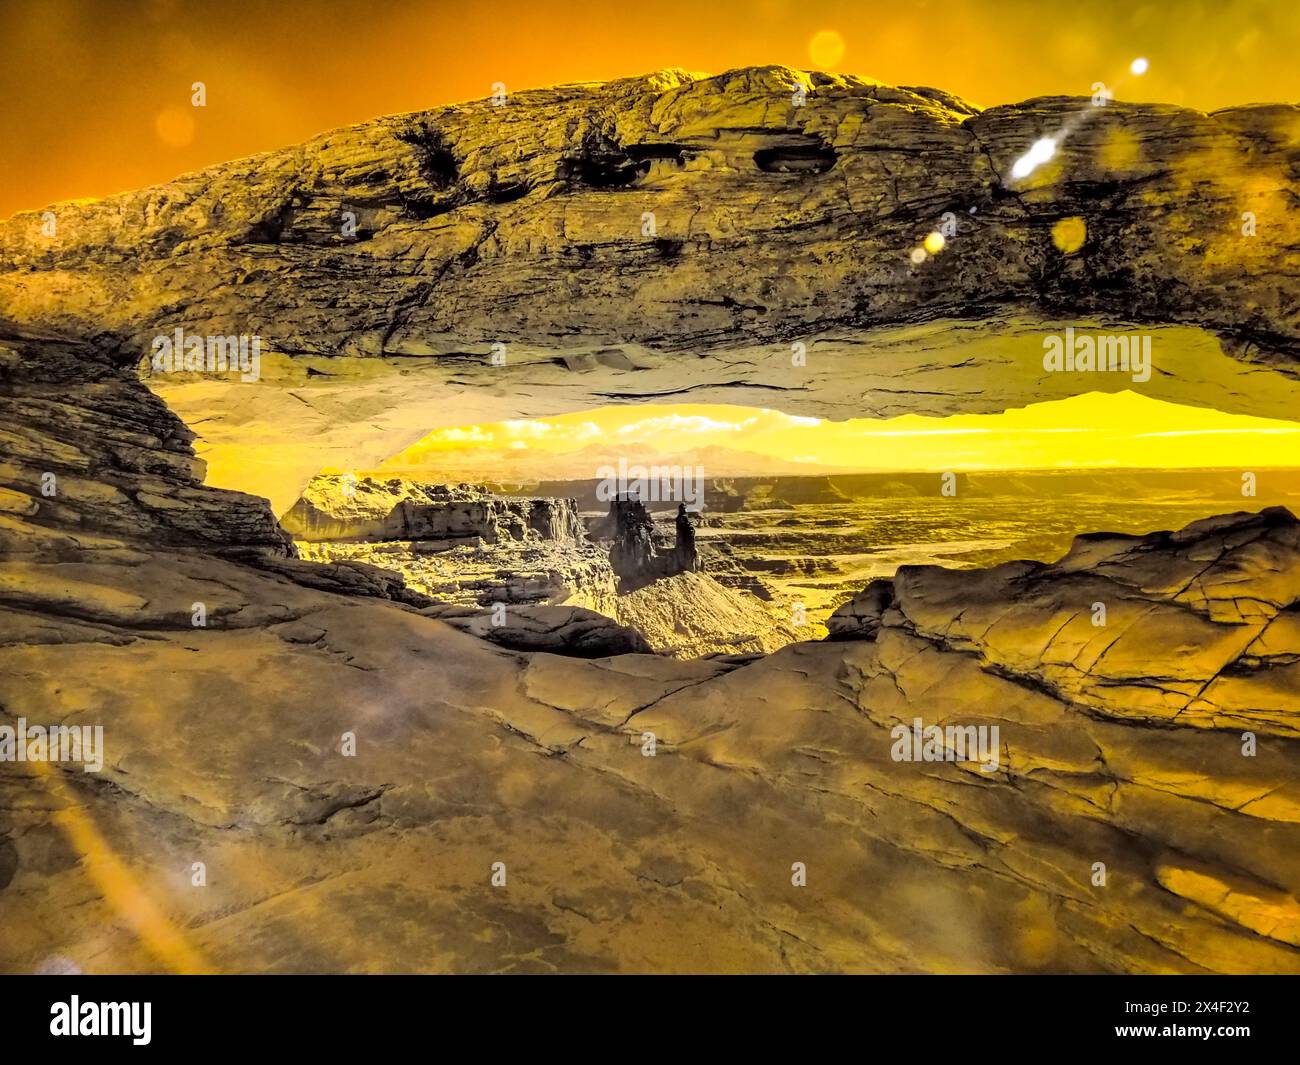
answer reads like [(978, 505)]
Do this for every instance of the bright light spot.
[(918, 256), (175, 127), (826, 48), (1069, 234), (1041, 152), (934, 243), (1139, 66)]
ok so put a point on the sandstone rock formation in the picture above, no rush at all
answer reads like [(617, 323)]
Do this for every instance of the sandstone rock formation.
[(649, 810), (534, 572), (461, 209), (1213, 604), (563, 630), (634, 554), (464, 547), (336, 507), (521, 225), (468, 549)]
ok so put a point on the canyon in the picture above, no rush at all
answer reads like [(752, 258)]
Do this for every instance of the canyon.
[(1123, 745), (516, 558)]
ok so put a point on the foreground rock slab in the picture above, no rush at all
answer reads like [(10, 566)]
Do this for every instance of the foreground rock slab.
[(225, 745)]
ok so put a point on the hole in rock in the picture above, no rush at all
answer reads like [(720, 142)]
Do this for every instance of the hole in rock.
[(605, 164), (437, 160), (796, 159), (508, 193), (787, 516), (603, 170), (677, 153)]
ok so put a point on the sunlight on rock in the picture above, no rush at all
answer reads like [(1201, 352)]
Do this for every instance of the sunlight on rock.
[(1069, 234)]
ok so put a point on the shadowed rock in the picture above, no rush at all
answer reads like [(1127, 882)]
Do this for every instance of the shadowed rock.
[(649, 809), (388, 259), (562, 630), (347, 508)]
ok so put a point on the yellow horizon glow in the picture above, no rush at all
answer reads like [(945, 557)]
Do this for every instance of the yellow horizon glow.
[(1094, 430)]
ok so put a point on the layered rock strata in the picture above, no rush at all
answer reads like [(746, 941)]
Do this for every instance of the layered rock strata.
[(344, 507), (650, 811), (462, 212), (567, 249)]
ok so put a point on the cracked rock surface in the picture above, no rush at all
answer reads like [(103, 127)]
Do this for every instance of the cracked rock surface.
[(383, 265), (223, 746), (769, 219), (1119, 744), (648, 810)]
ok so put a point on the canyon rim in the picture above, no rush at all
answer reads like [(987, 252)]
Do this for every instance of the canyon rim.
[(363, 715)]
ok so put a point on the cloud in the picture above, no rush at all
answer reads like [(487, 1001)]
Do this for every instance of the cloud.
[(684, 423), (528, 428), (469, 434), (926, 432)]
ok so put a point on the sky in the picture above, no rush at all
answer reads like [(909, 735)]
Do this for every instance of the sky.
[(97, 95), (1087, 431)]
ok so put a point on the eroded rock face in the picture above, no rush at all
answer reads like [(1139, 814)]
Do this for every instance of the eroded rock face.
[(86, 451), (520, 572), (460, 545), (1192, 628), (443, 233), (532, 572), (340, 507), (767, 215), (223, 744), (227, 739)]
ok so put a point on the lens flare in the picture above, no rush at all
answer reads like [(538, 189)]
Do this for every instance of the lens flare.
[(826, 48), (1042, 151)]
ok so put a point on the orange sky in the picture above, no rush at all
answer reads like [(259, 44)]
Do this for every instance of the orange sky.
[(96, 93)]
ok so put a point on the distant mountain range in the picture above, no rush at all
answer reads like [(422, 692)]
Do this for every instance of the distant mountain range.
[(524, 465), (576, 473), (735, 479), (1272, 486)]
